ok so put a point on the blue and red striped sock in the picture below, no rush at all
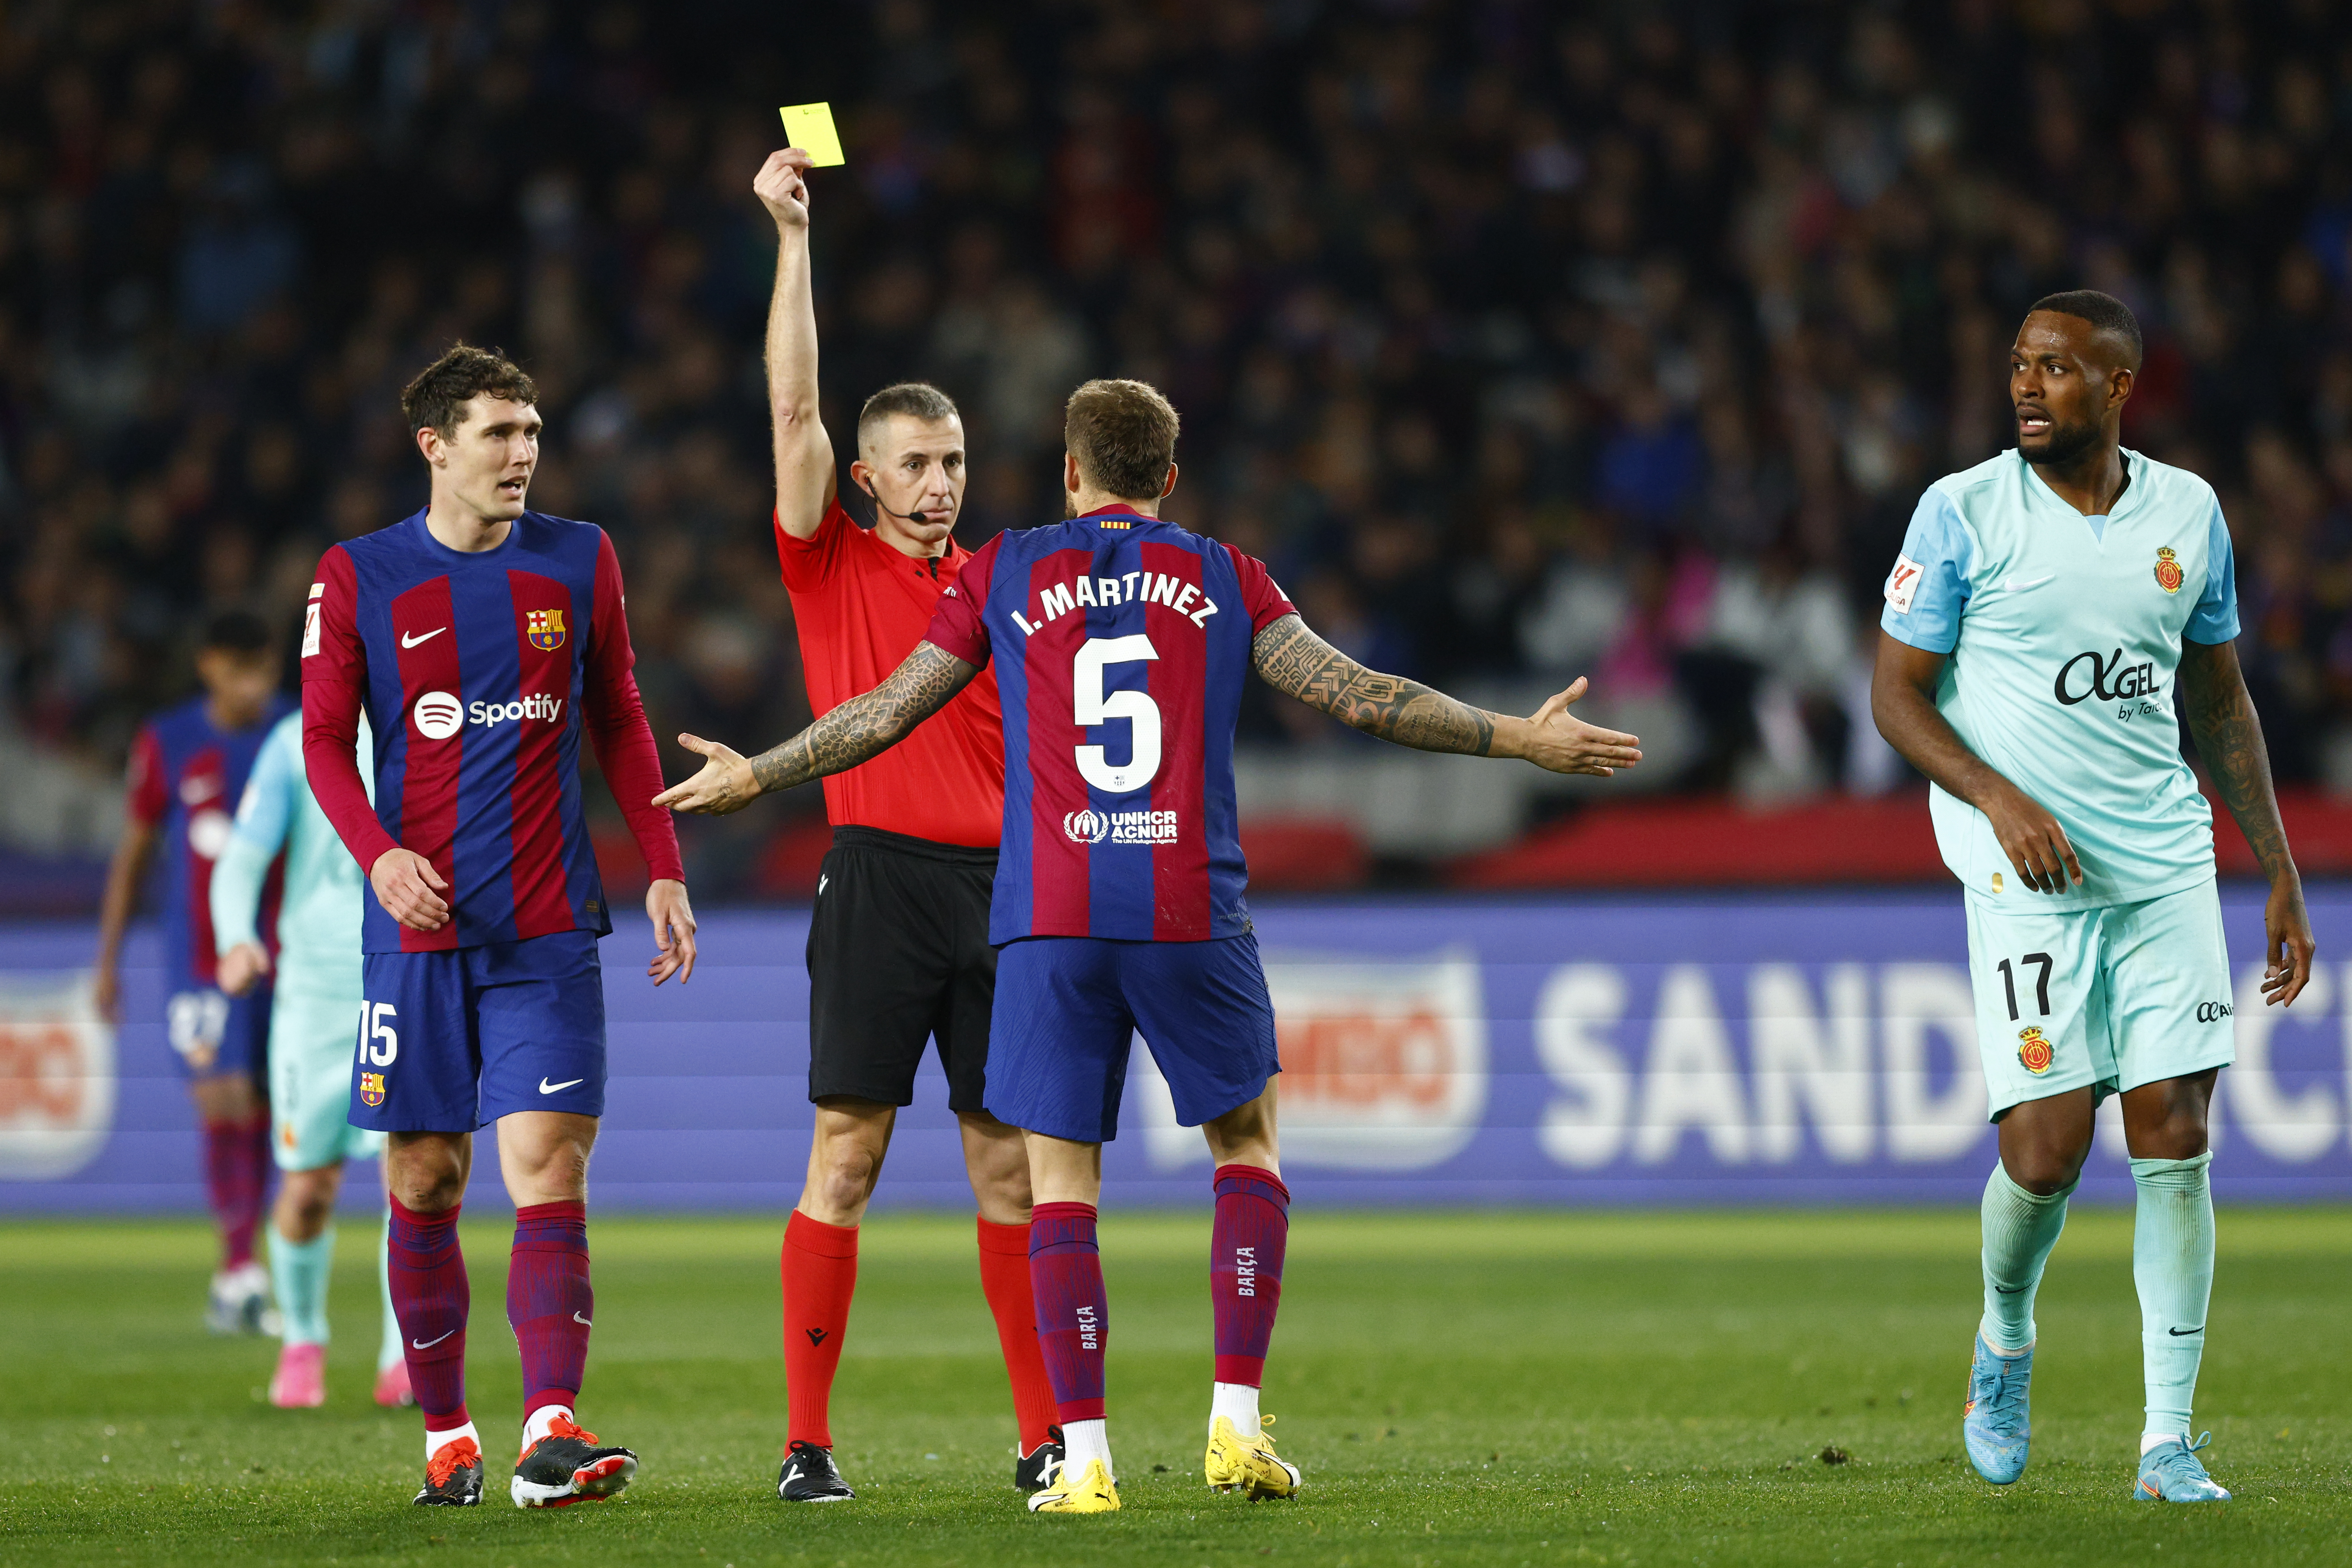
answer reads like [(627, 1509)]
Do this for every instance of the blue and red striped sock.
[(237, 1180), (550, 1302), (1246, 1250), (1073, 1319), (430, 1296)]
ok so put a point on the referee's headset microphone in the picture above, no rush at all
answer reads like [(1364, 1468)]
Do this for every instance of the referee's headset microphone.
[(882, 506)]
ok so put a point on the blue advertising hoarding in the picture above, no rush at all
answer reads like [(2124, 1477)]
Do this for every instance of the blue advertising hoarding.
[(1686, 1050)]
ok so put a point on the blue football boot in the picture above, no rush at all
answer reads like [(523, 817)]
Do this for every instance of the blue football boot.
[(1995, 1425), (2169, 1473)]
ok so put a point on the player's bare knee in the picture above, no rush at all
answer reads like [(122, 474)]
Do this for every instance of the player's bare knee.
[(307, 1202), (425, 1171)]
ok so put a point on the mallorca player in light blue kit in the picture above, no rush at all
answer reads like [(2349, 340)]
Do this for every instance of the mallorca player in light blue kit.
[(2054, 614), (311, 1027)]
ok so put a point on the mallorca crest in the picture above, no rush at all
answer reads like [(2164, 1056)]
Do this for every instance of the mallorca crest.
[(2033, 1052), (372, 1087), (545, 628), (2168, 575)]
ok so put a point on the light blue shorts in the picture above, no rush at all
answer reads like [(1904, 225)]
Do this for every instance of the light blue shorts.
[(310, 1043), (2108, 998)]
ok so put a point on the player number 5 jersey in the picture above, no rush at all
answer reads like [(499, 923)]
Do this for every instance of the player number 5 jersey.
[(2065, 634), (1121, 644)]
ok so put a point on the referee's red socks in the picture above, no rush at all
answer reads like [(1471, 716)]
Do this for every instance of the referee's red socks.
[(429, 1297), (1073, 1319), (1005, 1280), (549, 1301), (1246, 1249), (820, 1275)]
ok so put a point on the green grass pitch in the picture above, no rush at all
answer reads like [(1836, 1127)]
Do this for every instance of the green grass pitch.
[(1476, 1388)]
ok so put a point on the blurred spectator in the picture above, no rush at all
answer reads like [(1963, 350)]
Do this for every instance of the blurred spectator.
[(1526, 343)]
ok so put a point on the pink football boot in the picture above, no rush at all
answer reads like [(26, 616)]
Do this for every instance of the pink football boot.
[(300, 1381), (391, 1390)]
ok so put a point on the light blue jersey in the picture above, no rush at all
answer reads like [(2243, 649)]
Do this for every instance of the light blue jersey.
[(318, 917), (2064, 633)]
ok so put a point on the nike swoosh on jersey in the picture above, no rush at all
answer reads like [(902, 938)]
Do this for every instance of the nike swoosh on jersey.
[(428, 1344), (2019, 584), (547, 1088), (407, 641), (584, 1322)]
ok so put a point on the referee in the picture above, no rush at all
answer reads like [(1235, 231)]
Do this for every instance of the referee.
[(898, 946)]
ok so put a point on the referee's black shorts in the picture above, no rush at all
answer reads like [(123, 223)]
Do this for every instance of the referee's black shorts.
[(897, 953)]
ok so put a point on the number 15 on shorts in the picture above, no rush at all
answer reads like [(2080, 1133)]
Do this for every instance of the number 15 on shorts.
[(379, 1039)]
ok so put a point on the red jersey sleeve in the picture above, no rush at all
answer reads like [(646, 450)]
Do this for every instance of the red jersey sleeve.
[(956, 627), (334, 681), (149, 797), (616, 723), (1261, 594), (808, 563)]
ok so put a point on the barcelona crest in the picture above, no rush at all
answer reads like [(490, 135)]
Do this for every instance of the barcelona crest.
[(372, 1087), (545, 628), (2033, 1052), (2168, 575)]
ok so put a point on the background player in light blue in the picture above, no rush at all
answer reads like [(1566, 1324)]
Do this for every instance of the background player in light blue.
[(2055, 616), (312, 1029)]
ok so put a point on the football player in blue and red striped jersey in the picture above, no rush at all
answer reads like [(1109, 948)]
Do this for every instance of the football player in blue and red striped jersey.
[(483, 641), (1120, 642), (188, 766)]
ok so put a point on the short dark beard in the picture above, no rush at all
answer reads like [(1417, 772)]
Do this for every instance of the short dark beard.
[(2067, 442)]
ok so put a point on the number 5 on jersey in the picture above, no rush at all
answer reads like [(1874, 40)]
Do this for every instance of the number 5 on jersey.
[(1092, 706)]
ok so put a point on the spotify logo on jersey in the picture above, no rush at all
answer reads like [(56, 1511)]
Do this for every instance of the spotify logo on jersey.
[(438, 715)]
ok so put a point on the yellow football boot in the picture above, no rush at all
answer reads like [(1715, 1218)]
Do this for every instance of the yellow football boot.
[(1091, 1492), (1248, 1464)]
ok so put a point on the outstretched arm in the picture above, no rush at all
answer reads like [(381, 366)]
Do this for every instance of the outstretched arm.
[(2229, 737), (805, 477), (865, 726), (1293, 659)]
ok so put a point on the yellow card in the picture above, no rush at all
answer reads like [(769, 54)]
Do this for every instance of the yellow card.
[(809, 127)]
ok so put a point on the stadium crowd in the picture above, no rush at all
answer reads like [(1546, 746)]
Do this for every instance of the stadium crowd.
[(1522, 340)]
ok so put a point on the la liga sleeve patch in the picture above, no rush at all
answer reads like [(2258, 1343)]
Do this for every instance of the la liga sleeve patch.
[(1902, 583)]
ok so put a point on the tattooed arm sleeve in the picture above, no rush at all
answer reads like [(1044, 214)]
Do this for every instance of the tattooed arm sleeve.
[(867, 724), (1293, 659), (2229, 737)]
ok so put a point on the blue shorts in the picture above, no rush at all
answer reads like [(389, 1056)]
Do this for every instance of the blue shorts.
[(452, 1041), (214, 1033), (1068, 1007)]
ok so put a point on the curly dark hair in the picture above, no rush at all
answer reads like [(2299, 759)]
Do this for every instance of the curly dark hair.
[(436, 399)]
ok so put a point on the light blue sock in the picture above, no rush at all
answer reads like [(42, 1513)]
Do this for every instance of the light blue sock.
[(2020, 1229), (298, 1271), (388, 1354), (2172, 1264)]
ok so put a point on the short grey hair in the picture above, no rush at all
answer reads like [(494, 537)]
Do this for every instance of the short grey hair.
[(918, 399)]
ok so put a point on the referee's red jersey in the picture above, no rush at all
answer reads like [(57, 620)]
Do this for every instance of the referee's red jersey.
[(861, 607)]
